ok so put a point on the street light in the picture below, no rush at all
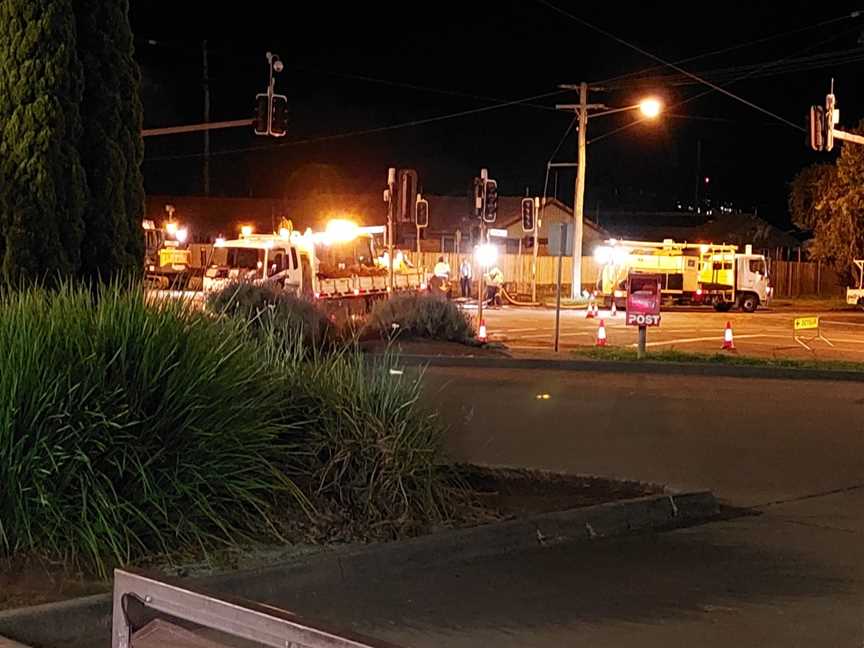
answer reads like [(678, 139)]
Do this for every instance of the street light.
[(486, 254), (650, 107)]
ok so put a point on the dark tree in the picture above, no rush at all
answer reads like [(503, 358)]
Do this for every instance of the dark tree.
[(828, 199), (43, 188), (111, 149)]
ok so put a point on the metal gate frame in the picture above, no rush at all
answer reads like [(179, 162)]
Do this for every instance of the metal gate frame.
[(266, 625)]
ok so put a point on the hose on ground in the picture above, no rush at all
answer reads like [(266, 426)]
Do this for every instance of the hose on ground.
[(516, 302)]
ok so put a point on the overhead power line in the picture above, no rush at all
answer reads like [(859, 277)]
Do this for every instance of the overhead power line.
[(732, 48), (799, 53), (678, 68)]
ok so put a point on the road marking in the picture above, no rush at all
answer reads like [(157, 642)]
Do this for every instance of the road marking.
[(842, 323), (714, 338), (520, 330)]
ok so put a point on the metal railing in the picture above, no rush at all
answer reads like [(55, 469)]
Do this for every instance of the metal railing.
[(263, 624)]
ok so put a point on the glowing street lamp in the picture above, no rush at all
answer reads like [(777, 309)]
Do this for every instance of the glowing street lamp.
[(486, 254), (651, 107)]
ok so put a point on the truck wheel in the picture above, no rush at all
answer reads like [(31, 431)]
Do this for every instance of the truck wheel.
[(722, 307), (749, 303)]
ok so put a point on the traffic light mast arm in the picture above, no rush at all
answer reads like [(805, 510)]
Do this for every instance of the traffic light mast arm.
[(848, 137), (194, 128)]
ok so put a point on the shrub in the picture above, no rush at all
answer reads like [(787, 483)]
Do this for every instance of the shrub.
[(129, 429), (374, 464), (264, 304), (420, 315)]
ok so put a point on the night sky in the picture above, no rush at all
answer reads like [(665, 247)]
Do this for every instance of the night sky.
[(373, 65)]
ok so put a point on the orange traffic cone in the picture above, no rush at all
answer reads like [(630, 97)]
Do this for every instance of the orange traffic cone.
[(596, 310), (601, 335), (728, 342), (589, 314), (614, 309), (481, 334)]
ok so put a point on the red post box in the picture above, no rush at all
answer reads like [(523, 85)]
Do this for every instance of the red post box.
[(643, 299)]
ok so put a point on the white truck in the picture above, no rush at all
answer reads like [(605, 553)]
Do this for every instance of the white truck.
[(855, 295), (336, 265)]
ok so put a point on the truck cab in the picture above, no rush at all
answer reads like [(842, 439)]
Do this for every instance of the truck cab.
[(259, 259), (752, 283)]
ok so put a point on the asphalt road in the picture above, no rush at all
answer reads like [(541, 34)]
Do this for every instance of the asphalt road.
[(791, 575), (766, 333)]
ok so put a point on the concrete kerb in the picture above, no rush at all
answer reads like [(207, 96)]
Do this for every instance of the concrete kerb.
[(54, 624), (628, 366)]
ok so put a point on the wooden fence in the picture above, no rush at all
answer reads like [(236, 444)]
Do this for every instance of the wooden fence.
[(789, 278)]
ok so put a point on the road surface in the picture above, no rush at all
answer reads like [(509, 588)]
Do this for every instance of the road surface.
[(788, 577), (766, 333), (791, 576)]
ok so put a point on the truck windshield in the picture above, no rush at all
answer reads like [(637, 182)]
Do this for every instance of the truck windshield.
[(757, 265), (245, 258), (357, 252)]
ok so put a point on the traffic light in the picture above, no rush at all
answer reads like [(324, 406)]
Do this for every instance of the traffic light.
[(528, 215), (817, 128), (262, 114), (279, 116), (478, 198), (491, 212), (830, 107), (422, 215)]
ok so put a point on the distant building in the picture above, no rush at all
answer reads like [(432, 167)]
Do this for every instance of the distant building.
[(451, 222)]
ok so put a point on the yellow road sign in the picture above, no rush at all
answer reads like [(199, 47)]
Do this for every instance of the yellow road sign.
[(806, 323)]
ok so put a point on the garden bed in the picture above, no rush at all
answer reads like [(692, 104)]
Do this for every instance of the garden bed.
[(494, 494)]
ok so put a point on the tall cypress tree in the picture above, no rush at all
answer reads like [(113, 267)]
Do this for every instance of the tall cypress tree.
[(111, 149), (44, 190)]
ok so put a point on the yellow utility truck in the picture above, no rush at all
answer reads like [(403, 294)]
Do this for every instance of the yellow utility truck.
[(693, 273)]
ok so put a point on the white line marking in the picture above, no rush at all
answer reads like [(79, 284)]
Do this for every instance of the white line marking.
[(520, 330), (714, 338), (842, 323)]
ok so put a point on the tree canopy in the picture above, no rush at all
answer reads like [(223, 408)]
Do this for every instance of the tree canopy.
[(71, 190), (828, 200)]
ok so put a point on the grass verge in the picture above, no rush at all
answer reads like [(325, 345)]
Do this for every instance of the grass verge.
[(629, 354)]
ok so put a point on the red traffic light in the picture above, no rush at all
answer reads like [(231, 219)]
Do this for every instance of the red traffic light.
[(529, 216)]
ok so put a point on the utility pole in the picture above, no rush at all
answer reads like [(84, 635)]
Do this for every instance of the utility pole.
[(206, 80), (581, 110), (697, 193), (579, 206)]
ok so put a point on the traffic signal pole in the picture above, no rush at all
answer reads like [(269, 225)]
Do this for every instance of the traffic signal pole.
[(484, 176), (537, 222), (391, 187), (823, 125)]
